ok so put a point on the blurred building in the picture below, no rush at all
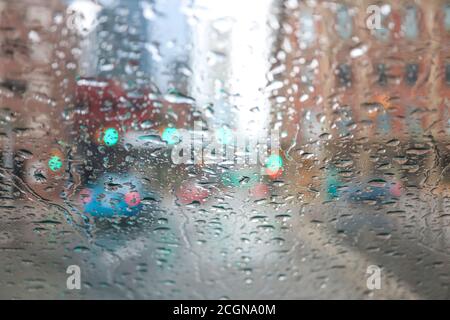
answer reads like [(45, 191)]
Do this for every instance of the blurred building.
[(368, 83), (349, 87), (37, 78)]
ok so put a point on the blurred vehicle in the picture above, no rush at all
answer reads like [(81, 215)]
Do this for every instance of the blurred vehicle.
[(110, 118), (113, 195), (374, 190)]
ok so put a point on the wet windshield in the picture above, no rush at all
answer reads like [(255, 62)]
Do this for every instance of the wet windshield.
[(270, 149)]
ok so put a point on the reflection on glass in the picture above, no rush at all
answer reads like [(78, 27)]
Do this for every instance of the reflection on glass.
[(96, 98)]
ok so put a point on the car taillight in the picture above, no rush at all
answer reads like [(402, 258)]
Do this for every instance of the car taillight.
[(132, 198)]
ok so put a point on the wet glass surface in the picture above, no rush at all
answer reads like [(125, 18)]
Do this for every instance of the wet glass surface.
[(224, 150)]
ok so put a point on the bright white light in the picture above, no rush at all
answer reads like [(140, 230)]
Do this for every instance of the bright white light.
[(82, 16), (241, 70)]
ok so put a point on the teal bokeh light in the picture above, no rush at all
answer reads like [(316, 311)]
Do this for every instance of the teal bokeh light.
[(274, 162), (171, 136), (224, 135), (55, 163), (111, 137), (240, 178), (332, 183)]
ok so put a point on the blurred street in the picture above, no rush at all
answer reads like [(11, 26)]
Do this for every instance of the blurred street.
[(95, 97)]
